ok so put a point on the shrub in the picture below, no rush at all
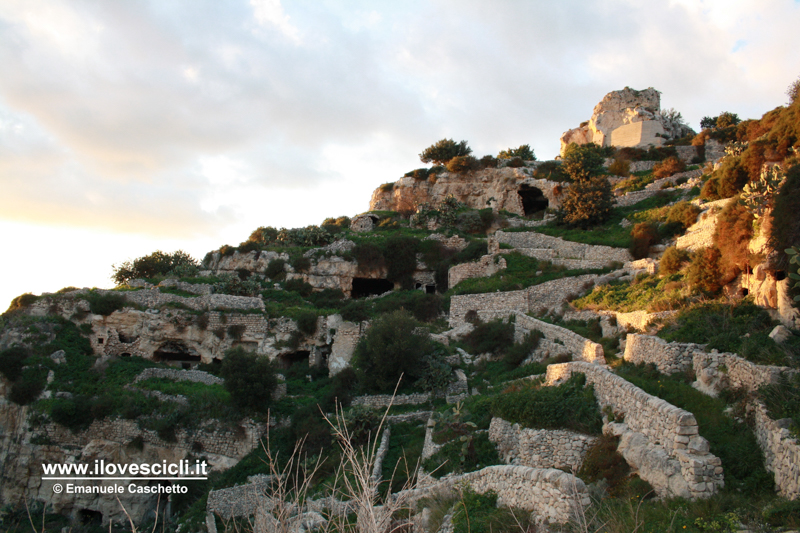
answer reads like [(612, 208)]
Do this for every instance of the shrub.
[(487, 161), (233, 284), (519, 351), (275, 269), (355, 311), (672, 260), (401, 259), (683, 212), (387, 187), (156, 264), (29, 386), (327, 298), (74, 413), (643, 235), (263, 236), (249, 379), (309, 425), (602, 461), (235, 331), (303, 288), (668, 167), (435, 372), (390, 348), (23, 300), (479, 513), (588, 203), (732, 237), (490, 337), (726, 119), (620, 167), (551, 170), (583, 161), (524, 152), (443, 151), (462, 163), (307, 322), (368, 256), (12, 360), (727, 181), (105, 303), (301, 263), (567, 406), (704, 271), (418, 174), (785, 226)]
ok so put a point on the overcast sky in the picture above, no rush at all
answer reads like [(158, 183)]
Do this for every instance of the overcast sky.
[(127, 127)]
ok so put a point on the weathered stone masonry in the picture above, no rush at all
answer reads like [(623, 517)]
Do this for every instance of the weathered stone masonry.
[(669, 439), (558, 251), (539, 448)]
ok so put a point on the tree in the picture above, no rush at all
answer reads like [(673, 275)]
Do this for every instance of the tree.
[(390, 348), (727, 119), (707, 123), (793, 91), (156, 264), (588, 200), (443, 151), (524, 152), (250, 379)]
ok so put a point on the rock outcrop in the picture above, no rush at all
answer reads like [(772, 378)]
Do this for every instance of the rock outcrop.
[(627, 118), (501, 188)]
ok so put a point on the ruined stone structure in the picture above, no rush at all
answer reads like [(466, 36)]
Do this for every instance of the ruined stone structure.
[(486, 266), (539, 448), (657, 438), (627, 118), (781, 451)]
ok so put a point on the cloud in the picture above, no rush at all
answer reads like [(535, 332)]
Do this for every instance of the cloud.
[(270, 13)]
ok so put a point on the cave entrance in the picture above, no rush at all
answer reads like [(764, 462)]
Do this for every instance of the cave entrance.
[(90, 518), (287, 360), (533, 199), (175, 351), (370, 287)]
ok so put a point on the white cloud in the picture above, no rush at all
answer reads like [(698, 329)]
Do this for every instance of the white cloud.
[(270, 13)]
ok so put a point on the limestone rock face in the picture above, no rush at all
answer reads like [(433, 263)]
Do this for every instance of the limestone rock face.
[(627, 118), (499, 186)]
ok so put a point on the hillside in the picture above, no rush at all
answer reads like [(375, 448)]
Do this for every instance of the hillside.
[(604, 342)]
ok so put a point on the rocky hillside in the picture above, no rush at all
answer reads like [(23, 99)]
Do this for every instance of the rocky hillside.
[(607, 342)]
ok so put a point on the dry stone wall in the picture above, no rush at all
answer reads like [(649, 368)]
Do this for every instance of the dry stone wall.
[(483, 268), (539, 448), (781, 451), (546, 297), (580, 347), (697, 474), (197, 376), (558, 251), (153, 299), (715, 371)]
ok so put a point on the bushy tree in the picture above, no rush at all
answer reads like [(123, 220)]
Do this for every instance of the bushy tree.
[(704, 272), (443, 151), (793, 91), (524, 152), (462, 163), (249, 378), (156, 264), (727, 118), (668, 167), (390, 348), (643, 235), (589, 200)]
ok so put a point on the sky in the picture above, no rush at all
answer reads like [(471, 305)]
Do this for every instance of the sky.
[(129, 127)]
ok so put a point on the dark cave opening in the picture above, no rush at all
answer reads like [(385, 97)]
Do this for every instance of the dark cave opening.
[(175, 351), (533, 199), (370, 287), (287, 360)]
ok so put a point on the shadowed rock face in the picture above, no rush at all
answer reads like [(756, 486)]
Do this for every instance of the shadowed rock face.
[(627, 118)]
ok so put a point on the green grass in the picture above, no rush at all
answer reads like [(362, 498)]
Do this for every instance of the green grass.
[(742, 328), (521, 273), (732, 441), (405, 449), (611, 233), (645, 293)]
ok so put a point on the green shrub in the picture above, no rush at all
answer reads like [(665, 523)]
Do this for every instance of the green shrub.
[(307, 322), (783, 513), (355, 311), (418, 174), (466, 453), (368, 256), (156, 264), (443, 151), (490, 337), (390, 348), (519, 351), (12, 360), (327, 298), (588, 202), (462, 163), (672, 260), (727, 181), (28, 386), (785, 226), (567, 406), (104, 303), (74, 413), (300, 263), (524, 152), (23, 300), (249, 379), (436, 372), (275, 269), (303, 288), (552, 171), (263, 236), (401, 259), (782, 399), (643, 235)]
